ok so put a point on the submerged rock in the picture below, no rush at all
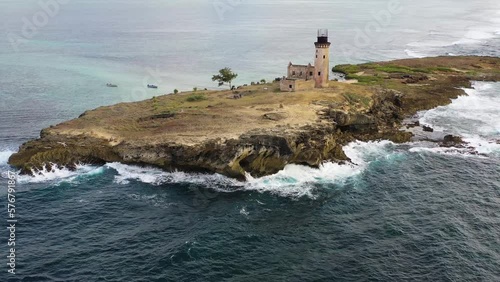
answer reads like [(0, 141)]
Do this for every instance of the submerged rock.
[(453, 141), (427, 128)]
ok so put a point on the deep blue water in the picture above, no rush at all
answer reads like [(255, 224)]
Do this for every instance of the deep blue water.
[(403, 212), (409, 216)]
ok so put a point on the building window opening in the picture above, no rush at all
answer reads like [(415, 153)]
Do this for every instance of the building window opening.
[(324, 57), (293, 72), (311, 73), (290, 86), (319, 73)]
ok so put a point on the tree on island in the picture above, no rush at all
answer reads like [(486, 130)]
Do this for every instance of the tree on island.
[(226, 75)]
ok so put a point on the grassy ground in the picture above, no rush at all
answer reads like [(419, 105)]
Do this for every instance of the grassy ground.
[(191, 117)]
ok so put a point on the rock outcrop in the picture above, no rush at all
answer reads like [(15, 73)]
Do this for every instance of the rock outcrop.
[(453, 141)]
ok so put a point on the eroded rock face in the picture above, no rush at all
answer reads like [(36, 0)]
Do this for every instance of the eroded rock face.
[(62, 151), (257, 154)]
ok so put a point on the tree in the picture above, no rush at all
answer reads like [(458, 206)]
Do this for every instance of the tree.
[(226, 75)]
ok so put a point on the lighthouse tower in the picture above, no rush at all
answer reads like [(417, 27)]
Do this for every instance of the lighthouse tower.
[(322, 60)]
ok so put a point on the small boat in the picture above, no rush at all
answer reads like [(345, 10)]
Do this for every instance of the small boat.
[(111, 85), (152, 86)]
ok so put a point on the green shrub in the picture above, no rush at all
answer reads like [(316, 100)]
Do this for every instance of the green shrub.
[(362, 79), (176, 91), (346, 69), (400, 69), (196, 97)]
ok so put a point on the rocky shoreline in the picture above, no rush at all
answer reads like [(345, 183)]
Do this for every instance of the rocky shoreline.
[(265, 130)]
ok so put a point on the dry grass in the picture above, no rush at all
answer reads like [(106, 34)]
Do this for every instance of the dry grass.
[(219, 115)]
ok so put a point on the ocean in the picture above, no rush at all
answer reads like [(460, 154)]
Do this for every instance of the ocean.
[(400, 212)]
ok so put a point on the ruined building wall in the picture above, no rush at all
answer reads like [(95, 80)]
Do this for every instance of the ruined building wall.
[(300, 71), (292, 85)]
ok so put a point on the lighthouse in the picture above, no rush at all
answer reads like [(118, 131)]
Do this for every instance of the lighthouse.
[(307, 77), (322, 60)]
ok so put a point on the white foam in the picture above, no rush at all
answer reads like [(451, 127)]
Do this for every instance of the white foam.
[(483, 146), (414, 54), (476, 36), (157, 176), (292, 181), (298, 181), (126, 173), (476, 117), (4, 156), (244, 212), (60, 174), (462, 152)]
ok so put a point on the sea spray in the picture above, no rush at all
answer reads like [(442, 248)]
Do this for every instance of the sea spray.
[(475, 117), (56, 174), (292, 181), (156, 176), (4, 156)]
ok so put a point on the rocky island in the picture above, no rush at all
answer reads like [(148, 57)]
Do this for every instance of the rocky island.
[(263, 131)]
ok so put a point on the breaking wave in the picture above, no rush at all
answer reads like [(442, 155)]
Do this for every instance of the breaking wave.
[(61, 174), (293, 181), (475, 117), (156, 176), (4, 156)]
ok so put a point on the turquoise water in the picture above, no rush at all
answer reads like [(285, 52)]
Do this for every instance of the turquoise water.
[(402, 212)]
